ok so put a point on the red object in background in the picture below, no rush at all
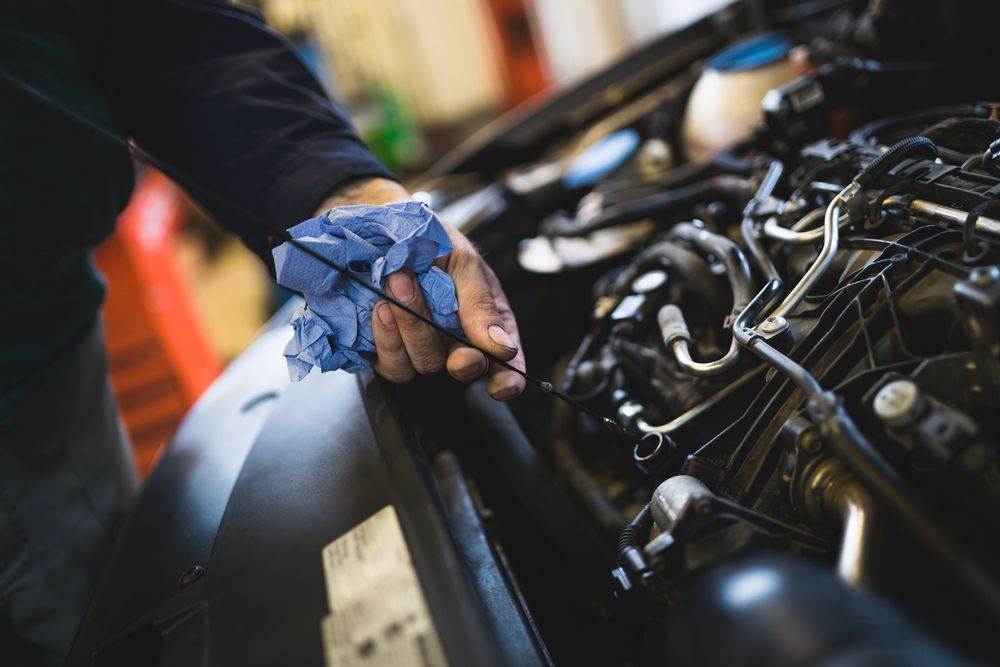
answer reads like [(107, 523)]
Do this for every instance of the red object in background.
[(159, 359), (524, 72)]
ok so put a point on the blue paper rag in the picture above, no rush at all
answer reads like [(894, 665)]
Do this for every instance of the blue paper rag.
[(333, 328)]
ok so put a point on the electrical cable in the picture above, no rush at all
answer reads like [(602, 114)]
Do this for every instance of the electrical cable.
[(969, 228), (194, 187)]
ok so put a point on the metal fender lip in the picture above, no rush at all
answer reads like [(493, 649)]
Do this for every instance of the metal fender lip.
[(220, 561)]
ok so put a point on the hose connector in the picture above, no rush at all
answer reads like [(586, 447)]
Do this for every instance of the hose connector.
[(672, 325)]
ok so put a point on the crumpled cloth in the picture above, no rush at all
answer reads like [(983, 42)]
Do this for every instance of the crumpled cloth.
[(333, 329)]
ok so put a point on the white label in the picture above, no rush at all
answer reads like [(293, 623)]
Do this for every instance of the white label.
[(378, 615)]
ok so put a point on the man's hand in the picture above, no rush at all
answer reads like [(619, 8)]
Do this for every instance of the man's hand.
[(406, 346)]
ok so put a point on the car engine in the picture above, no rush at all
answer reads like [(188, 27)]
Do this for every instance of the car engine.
[(800, 333), (759, 258)]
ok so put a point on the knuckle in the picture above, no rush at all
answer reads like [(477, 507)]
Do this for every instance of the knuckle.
[(404, 319), (396, 375), (465, 261), (419, 336), (429, 367), (428, 362), (462, 246), (390, 345), (483, 300)]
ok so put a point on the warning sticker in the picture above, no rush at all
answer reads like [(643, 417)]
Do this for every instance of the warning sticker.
[(378, 615)]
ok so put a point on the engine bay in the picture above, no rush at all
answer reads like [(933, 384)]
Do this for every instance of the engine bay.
[(802, 326), (760, 257)]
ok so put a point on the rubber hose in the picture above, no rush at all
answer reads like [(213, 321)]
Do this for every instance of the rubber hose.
[(653, 206), (947, 129), (911, 147), (969, 228), (636, 533), (728, 160), (876, 129)]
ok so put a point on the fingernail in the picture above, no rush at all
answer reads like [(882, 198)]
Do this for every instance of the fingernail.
[(501, 337), (385, 315), (505, 394), (401, 286)]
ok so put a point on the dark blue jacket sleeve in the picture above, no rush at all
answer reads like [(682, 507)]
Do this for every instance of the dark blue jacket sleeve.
[(208, 88)]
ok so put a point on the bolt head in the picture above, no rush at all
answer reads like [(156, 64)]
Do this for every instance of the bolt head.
[(773, 324)]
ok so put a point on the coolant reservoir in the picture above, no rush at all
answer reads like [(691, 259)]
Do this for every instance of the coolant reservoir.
[(724, 106)]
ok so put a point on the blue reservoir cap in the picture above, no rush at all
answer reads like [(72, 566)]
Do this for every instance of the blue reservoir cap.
[(752, 53), (601, 158)]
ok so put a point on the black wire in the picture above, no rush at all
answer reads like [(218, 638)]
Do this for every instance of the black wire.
[(191, 185), (969, 228)]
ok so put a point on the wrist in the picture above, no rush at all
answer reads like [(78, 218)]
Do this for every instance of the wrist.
[(369, 190)]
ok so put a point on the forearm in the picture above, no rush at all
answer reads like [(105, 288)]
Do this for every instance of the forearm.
[(365, 191), (234, 107)]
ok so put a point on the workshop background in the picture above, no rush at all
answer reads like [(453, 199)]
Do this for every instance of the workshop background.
[(417, 76)]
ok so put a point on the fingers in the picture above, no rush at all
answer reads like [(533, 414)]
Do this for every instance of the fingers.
[(406, 346), (393, 362), (503, 384), (477, 306), (465, 364), (424, 346)]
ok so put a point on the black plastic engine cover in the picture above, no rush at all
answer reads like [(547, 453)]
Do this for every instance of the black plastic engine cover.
[(220, 560)]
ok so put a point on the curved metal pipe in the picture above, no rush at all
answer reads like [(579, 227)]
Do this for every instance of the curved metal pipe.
[(738, 272), (757, 250), (731, 255), (682, 354), (764, 263), (687, 417), (746, 321), (734, 258), (831, 240), (853, 565), (795, 235), (833, 492), (770, 181)]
